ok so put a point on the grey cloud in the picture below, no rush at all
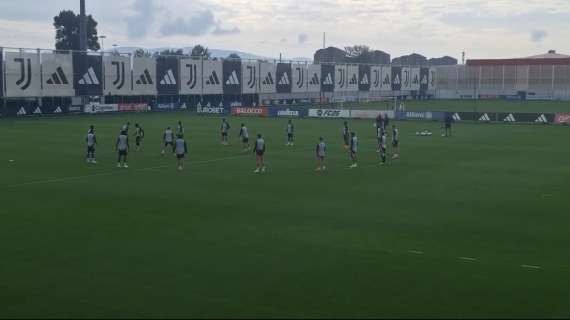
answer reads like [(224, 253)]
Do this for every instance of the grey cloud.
[(219, 31), (538, 35), (199, 24), (302, 38), (144, 14)]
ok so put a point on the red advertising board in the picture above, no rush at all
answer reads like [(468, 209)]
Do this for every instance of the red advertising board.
[(562, 118), (250, 111), (133, 107)]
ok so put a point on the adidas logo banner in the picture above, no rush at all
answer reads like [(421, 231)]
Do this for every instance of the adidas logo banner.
[(341, 78), (415, 79), (21, 112), (283, 74), (484, 117), (250, 80), (267, 77), (299, 78), (22, 74), (190, 76), (37, 110), (352, 78), (57, 73), (327, 78), (144, 76), (314, 78), (212, 77), (509, 118), (364, 76), (87, 76), (542, 119), (396, 78), (232, 76), (424, 75), (117, 75), (386, 84), (456, 117), (168, 75)]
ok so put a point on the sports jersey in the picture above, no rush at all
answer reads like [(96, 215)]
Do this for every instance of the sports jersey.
[(244, 133), (225, 127), (379, 132), (139, 132), (125, 127), (345, 131), (180, 146), (259, 145), (91, 140), (290, 128), (168, 136), (180, 129), (122, 142), (383, 142), (321, 149), (354, 144), (395, 135)]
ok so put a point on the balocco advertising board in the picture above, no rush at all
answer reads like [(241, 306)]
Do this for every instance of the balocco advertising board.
[(329, 113), (250, 111), (562, 118), (101, 108)]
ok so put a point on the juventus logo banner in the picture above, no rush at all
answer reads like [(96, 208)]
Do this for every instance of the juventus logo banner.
[(1, 74), (341, 78), (396, 78), (314, 78), (283, 78), (144, 76), (375, 78), (415, 75), (364, 78), (352, 78), (232, 77), (190, 76), (250, 74), (386, 84), (22, 74), (212, 77), (167, 75), (327, 77), (117, 75), (432, 79), (267, 77), (57, 75), (424, 76), (406, 78), (87, 74), (299, 75)]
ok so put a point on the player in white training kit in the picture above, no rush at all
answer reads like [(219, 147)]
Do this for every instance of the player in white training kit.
[(353, 150), (180, 129), (320, 152), (167, 139), (290, 133), (395, 142), (224, 129), (244, 135), (91, 143), (382, 146), (122, 149), (181, 150), (259, 150)]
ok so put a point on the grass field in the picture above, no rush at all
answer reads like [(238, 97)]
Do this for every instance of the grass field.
[(476, 225)]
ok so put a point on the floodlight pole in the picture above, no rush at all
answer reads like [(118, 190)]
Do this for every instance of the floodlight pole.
[(82, 26)]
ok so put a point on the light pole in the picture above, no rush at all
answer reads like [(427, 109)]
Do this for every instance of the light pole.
[(103, 37)]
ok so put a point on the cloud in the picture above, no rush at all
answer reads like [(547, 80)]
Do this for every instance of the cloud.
[(219, 31), (138, 23), (197, 25), (538, 35), (302, 38)]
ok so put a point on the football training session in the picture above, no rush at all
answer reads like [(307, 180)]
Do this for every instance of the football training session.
[(214, 183)]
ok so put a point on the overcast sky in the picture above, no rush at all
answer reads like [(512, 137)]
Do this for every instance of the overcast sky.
[(484, 29)]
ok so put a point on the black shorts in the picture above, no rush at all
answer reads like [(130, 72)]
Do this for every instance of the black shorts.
[(245, 140), (290, 135), (383, 150), (224, 134), (259, 153), (346, 141), (448, 126), (352, 153), (138, 140), (395, 143), (180, 156), (123, 153), (91, 149), (166, 144)]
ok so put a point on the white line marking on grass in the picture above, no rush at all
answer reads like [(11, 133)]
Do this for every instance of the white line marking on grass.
[(415, 252), (527, 266), (467, 258)]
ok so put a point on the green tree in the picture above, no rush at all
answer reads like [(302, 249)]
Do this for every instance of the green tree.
[(141, 53), (200, 51), (233, 56), (169, 52), (66, 25), (357, 54)]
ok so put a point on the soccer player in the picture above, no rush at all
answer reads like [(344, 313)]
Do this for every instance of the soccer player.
[(123, 149), (91, 143), (383, 149), (353, 150), (380, 132), (91, 129), (168, 139), (244, 135), (126, 127), (386, 122), (447, 120), (259, 150), (379, 121), (181, 150), (290, 133), (180, 129), (395, 142), (139, 135), (346, 135), (224, 129), (320, 152)]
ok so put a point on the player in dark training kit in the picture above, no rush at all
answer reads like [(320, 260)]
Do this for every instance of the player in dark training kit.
[(123, 149), (225, 128), (244, 135), (259, 150), (290, 133), (91, 143), (181, 150), (139, 135), (346, 135), (180, 129), (446, 125)]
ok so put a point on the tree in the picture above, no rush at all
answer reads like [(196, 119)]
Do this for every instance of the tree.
[(357, 54), (141, 53), (233, 56), (200, 51), (169, 52), (66, 25)]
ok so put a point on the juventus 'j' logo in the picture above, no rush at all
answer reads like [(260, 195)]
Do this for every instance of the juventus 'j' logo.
[(25, 73), (432, 78), (406, 78), (119, 82), (386, 82), (252, 78), (342, 80), (300, 77), (376, 77), (193, 76)]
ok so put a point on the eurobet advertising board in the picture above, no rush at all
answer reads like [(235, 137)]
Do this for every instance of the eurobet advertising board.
[(209, 109), (250, 111), (329, 113)]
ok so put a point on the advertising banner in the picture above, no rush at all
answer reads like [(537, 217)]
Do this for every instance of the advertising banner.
[(168, 75), (415, 78), (283, 78), (133, 107), (164, 107), (329, 113), (144, 76), (424, 80), (267, 77), (352, 78), (314, 78), (250, 74), (396, 78), (327, 78), (250, 111), (375, 78), (232, 77), (364, 78), (282, 112), (341, 78), (370, 114), (212, 77), (210, 109), (300, 79), (386, 84), (190, 76), (432, 80), (406, 78), (57, 74), (22, 75), (412, 115), (117, 75), (88, 74), (101, 108), (562, 118)]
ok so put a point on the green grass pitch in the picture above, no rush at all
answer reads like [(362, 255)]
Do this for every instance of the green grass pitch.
[(476, 225)]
